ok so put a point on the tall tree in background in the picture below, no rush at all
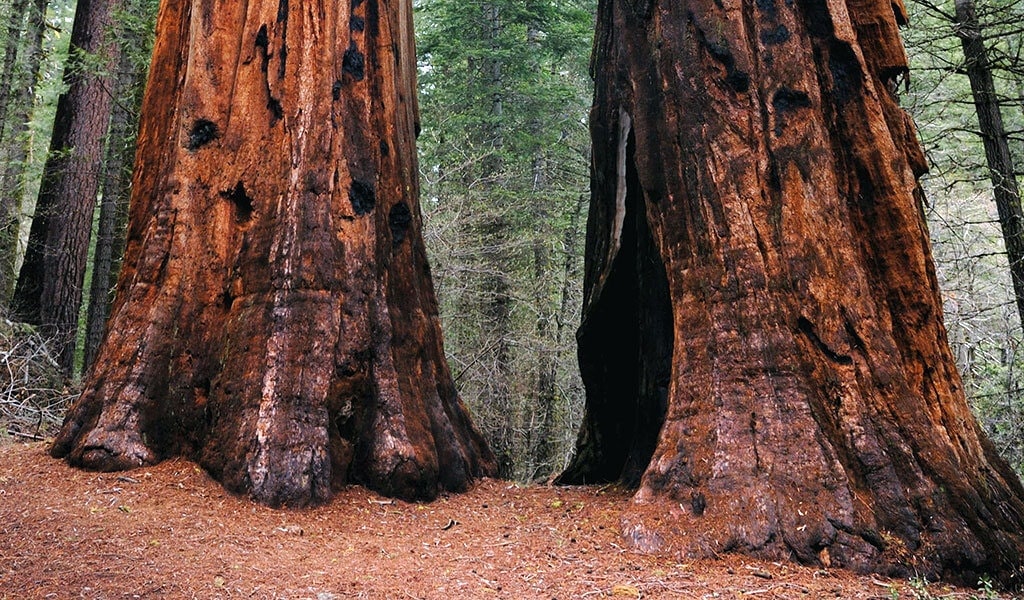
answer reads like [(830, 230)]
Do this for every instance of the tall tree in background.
[(9, 205), (995, 140), (970, 116), (762, 339), (504, 152), (51, 280), (275, 318), (22, 60), (13, 43), (134, 25)]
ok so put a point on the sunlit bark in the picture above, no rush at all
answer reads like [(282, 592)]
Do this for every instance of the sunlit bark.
[(275, 317), (762, 339)]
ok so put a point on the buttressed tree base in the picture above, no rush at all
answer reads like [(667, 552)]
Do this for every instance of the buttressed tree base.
[(762, 341), (275, 317)]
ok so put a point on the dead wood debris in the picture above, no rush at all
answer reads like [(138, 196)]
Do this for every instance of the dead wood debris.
[(34, 394)]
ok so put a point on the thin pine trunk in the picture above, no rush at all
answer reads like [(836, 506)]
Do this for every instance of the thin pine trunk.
[(17, 145), (116, 187), (16, 39), (996, 142)]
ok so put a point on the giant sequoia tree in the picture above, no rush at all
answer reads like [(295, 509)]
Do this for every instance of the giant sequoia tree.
[(762, 340), (275, 317)]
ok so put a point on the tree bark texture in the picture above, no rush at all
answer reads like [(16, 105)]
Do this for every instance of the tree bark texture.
[(996, 142), (762, 341), (275, 317), (127, 83), (50, 283)]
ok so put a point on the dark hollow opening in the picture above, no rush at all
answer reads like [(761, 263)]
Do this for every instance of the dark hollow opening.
[(625, 356), (203, 132), (241, 200)]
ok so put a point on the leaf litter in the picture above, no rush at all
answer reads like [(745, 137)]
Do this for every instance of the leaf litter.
[(170, 531)]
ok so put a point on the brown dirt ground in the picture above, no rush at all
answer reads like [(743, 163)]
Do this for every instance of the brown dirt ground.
[(171, 532)]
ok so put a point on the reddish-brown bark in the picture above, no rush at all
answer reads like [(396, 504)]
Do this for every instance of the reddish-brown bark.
[(275, 317), (762, 340)]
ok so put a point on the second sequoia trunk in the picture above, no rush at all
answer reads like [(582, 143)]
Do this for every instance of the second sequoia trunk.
[(275, 317), (762, 340)]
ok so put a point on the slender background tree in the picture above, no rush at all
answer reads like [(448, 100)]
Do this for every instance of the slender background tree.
[(504, 149), (23, 61), (972, 137), (275, 318), (133, 30), (51, 280)]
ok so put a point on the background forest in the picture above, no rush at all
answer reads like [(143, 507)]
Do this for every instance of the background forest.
[(504, 162)]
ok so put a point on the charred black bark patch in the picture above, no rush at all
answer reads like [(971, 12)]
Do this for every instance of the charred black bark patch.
[(735, 78), (203, 132), (276, 112), (263, 43), (241, 200), (354, 63), (362, 197), (356, 23), (775, 36), (283, 55), (282, 19), (807, 328), (900, 13), (336, 90), (768, 8), (227, 299), (817, 18), (847, 76), (372, 18), (786, 100), (384, 148), (399, 218)]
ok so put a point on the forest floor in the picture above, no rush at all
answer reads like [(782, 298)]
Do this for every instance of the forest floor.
[(170, 531)]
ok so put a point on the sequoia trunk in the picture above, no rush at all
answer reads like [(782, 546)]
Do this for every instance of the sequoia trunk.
[(275, 317), (762, 339)]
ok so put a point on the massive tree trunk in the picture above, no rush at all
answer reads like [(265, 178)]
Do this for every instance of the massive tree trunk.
[(762, 340), (50, 282), (275, 317)]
